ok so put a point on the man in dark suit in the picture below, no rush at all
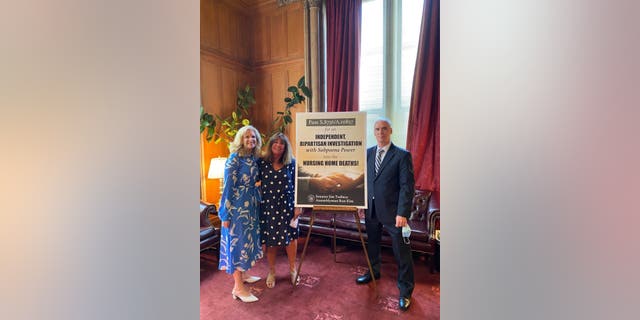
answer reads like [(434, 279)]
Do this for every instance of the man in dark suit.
[(390, 186)]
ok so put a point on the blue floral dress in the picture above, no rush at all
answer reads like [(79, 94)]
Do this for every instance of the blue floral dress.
[(277, 204), (240, 203)]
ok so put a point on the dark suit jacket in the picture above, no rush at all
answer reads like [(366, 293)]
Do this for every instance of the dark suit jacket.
[(391, 191)]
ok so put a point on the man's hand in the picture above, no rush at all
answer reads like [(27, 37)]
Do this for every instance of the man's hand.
[(401, 221)]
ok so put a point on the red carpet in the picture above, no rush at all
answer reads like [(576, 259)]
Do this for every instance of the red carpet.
[(327, 289)]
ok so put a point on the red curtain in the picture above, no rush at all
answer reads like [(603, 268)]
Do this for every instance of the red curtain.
[(424, 115), (343, 54)]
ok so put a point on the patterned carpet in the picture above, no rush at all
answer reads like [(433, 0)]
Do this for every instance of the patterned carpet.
[(327, 289)]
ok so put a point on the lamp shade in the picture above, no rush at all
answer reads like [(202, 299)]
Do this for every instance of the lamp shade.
[(216, 168)]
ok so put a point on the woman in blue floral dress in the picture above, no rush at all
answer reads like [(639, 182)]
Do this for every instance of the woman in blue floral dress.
[(277, 172), (239, 212)]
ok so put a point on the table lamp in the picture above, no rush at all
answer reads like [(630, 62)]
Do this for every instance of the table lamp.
[(216, 170)]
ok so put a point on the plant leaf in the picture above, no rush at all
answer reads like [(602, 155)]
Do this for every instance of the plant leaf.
[(306, 91), (301, 82)]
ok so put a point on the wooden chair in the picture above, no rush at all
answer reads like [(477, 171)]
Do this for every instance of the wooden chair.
[(209, 234)]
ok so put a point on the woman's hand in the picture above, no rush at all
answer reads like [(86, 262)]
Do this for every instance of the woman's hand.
[(226, 224)]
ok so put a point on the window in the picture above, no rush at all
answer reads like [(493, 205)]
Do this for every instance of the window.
[(389, 44)]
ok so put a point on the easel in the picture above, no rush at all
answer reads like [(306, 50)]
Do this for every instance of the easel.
[(336, 210)]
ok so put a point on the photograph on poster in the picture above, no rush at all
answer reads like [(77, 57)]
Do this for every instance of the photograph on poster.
[(331, 159)]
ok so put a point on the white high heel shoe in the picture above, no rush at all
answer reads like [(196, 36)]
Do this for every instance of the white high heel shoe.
[(251, 279), (294, 277), (249, 298)]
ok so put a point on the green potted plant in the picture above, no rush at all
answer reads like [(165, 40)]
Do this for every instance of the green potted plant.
[(298, 94), (224, 129)]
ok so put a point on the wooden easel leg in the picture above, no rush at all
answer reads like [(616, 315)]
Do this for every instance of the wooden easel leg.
[(366, 254), (334, 239), (304, 250)]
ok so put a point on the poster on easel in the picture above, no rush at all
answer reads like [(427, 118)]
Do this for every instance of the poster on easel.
[(331, 159)]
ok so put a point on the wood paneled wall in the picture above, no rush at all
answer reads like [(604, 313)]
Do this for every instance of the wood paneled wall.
[(261, 45)]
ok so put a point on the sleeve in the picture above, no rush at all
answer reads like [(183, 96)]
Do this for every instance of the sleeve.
[(230, 169), (406, 181), (292, 174)]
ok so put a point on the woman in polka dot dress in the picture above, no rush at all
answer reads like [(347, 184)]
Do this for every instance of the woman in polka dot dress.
[(277, 173)]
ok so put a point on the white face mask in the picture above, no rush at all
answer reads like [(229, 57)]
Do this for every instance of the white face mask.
[(406, 233)]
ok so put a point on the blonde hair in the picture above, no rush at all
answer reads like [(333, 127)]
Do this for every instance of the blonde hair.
[(238, 146), (287, 155)]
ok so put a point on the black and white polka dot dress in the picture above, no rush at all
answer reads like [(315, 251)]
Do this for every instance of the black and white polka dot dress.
[(276, 208)]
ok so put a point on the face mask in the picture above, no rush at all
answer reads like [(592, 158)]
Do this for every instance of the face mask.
[(406, 233)]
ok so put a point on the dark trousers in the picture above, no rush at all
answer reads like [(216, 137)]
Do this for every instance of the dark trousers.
[(401, 251)]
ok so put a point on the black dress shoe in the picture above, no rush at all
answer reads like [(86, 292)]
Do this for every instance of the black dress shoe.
[(404, 303), (365, 279)]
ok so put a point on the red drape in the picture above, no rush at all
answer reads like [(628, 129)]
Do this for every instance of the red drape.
[(343, 54), (423, 139)]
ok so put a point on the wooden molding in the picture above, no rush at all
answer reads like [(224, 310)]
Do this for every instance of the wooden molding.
[(213, 54), (285, 2), (277, 64), (241, 4), (256, 3)]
